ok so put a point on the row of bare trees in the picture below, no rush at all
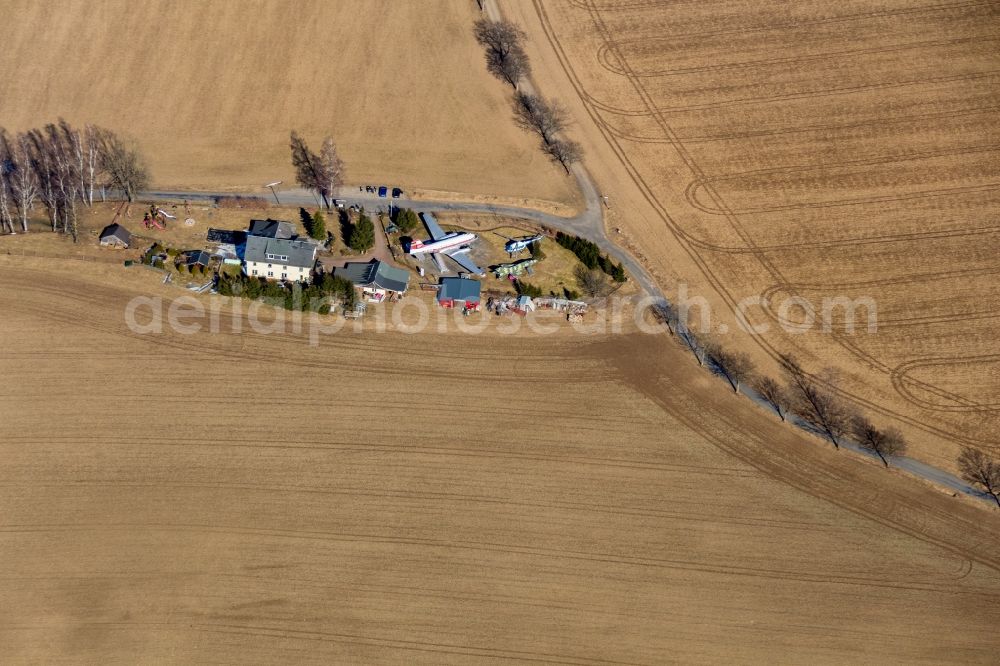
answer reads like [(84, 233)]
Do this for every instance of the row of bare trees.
[(503, 43), (816, 404), (323, 173), (547, 120), (506, 59), (59, 167)]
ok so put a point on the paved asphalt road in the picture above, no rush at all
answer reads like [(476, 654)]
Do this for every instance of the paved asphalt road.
[(589, 224)]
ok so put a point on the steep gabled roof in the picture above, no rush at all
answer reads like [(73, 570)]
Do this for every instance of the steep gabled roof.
[(116, 231), (459, 289), (264, 250), (375, 273), (271, 229)]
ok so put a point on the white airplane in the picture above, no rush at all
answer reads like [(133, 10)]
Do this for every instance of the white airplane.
[(452, 244)]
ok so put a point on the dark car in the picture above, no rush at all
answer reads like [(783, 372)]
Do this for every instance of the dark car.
[(382, 191), (396, 192)]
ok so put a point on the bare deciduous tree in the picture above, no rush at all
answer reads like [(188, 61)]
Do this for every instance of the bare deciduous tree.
[(331, 170), (821, 411), (505, 56), (697, 341), (61, 148), (736, 367), (91, 162), (6, 171), (323, 173), (6, 218), (979, 470), (536, 114), (665, 313), (76, 151), (772, 393), (564, 151), (23, 180), (888, 442), (593, 283), (123, 163), (42, 166)]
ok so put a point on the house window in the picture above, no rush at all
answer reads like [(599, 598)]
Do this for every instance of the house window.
[(270, 274), (284, 276), (269, 265), (255, 271)]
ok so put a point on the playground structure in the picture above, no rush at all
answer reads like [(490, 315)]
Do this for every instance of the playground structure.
[(156, 217)]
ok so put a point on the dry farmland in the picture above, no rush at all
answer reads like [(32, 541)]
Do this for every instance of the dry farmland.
[(809, 149), (440, 499), (211, 90)]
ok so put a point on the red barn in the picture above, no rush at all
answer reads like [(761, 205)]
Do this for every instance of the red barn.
[(459, 292)]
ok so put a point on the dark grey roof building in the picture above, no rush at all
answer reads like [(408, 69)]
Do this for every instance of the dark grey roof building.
[(459, 290), (272, 229), (279, 258), (375, 274), (116, 235)]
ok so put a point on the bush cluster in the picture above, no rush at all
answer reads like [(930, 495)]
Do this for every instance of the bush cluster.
[(314, 297), (591, 256)]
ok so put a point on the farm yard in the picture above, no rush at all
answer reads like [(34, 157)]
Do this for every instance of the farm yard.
[(211, 91), (553, 273), (816, 151), (158, 507)]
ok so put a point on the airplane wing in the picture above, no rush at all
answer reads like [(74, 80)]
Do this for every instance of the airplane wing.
[(462, 258), (439, 262), (437, 233)]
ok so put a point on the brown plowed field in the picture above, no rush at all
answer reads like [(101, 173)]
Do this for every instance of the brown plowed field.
[(809, 150), (212, 89), (440, 498)]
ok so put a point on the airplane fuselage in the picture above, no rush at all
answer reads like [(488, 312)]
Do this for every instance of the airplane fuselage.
[(452, 241)]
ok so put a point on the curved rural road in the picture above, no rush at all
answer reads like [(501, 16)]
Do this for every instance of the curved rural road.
[(588, 224)]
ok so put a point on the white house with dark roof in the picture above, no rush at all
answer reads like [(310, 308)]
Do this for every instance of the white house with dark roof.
[(376, 279), (279, 258)]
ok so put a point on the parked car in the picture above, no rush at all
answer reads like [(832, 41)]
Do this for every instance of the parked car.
[(396, 192), (382, 191)]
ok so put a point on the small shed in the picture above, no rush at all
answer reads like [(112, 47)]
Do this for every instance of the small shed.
[(459, 292), (115, 235), (524, 305), (197, 258)]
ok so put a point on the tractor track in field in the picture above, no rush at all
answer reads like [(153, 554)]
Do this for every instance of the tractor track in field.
[(594, 107)]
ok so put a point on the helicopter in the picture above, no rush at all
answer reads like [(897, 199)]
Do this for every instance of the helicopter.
[(515, 245)]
